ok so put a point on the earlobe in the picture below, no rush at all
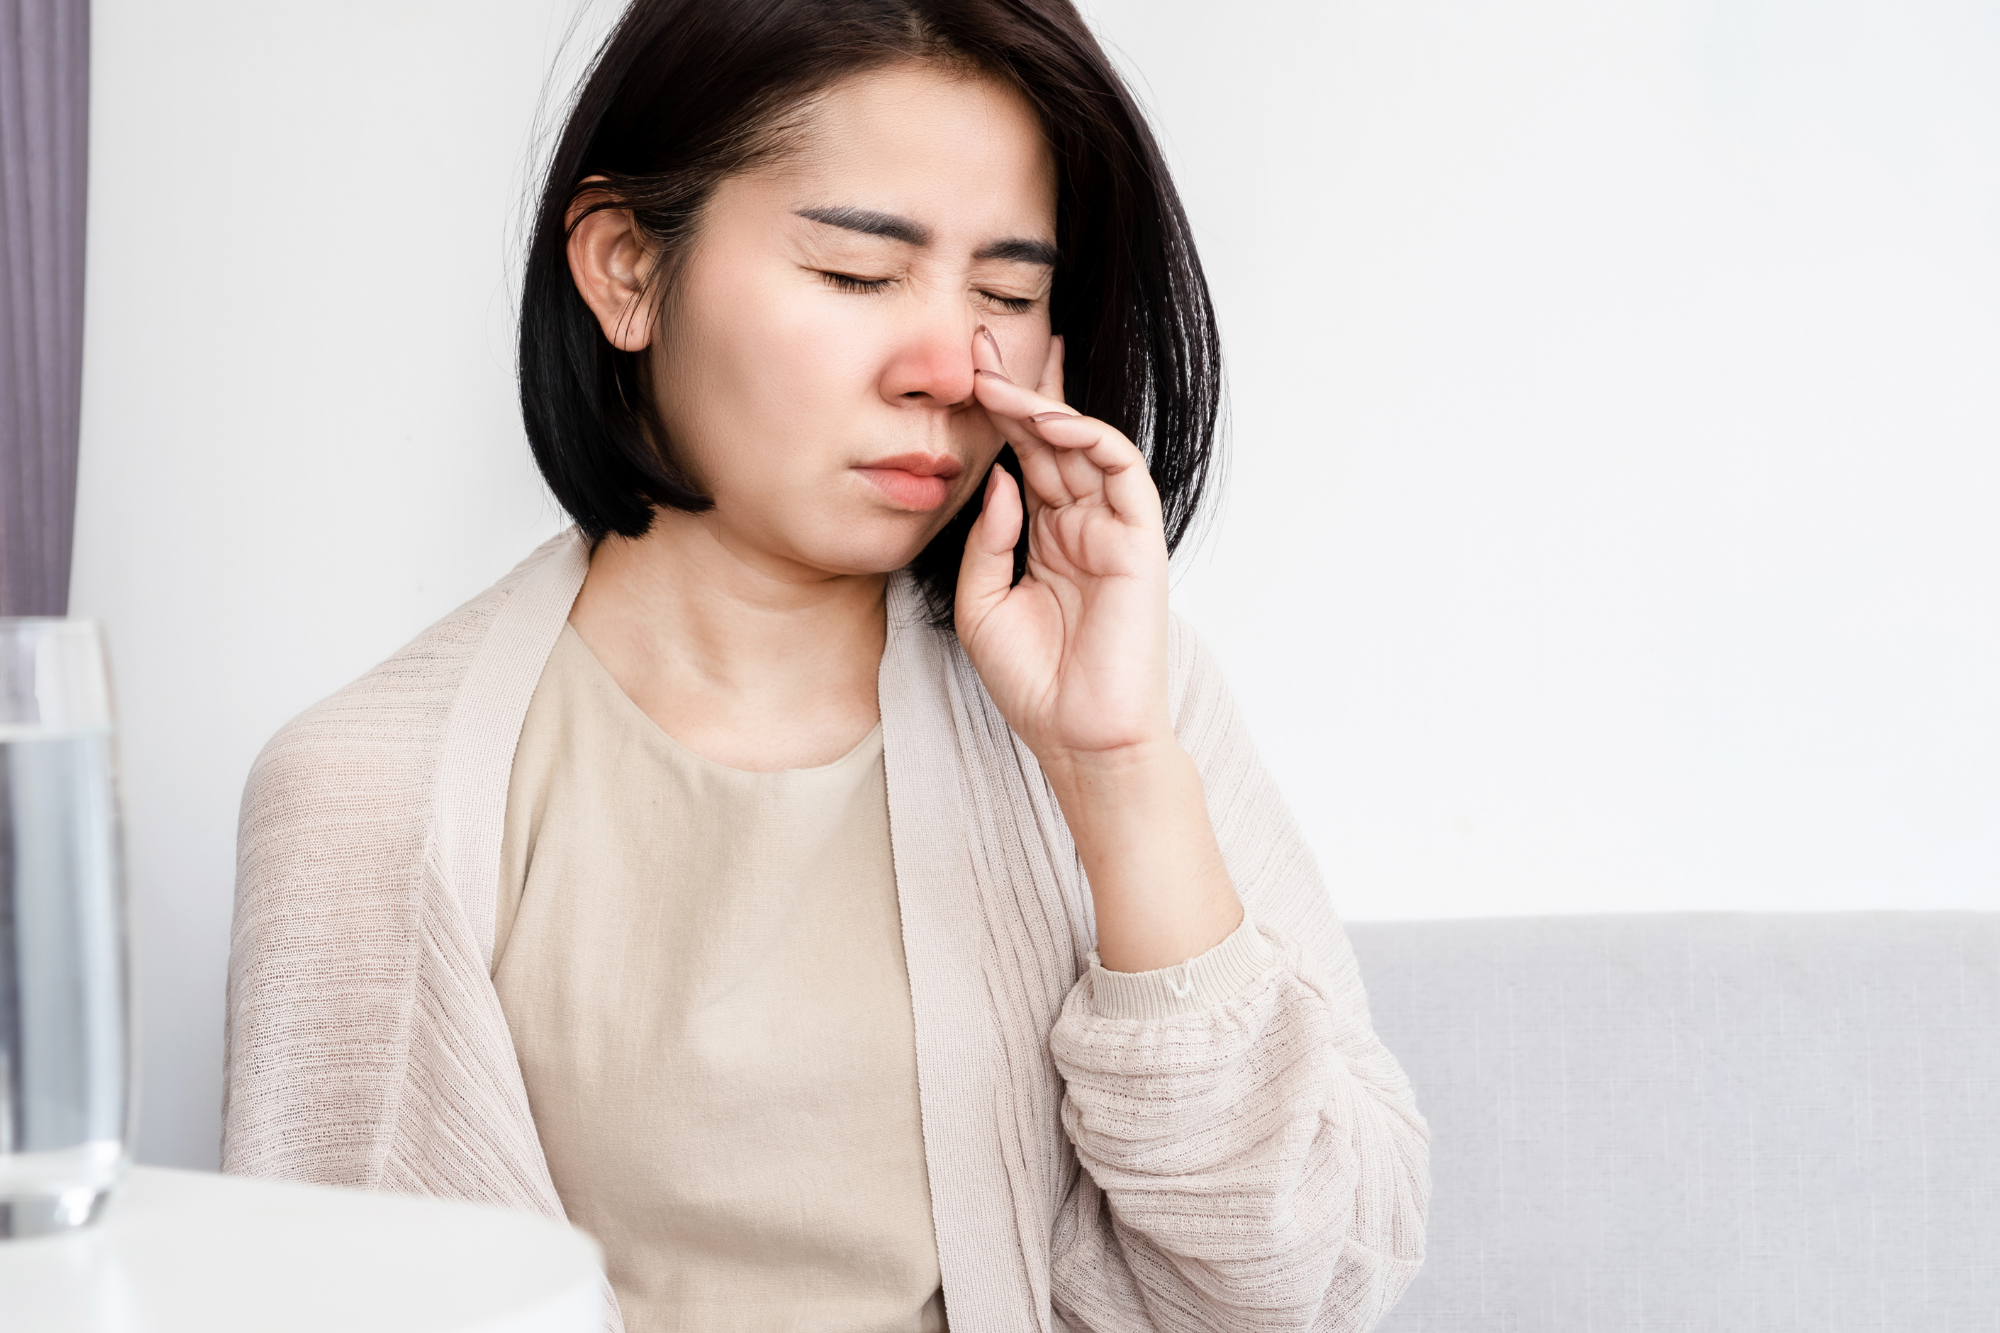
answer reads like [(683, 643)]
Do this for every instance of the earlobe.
[(610, 262)]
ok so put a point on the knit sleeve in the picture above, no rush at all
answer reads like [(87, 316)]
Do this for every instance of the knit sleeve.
[(1252, 1157)]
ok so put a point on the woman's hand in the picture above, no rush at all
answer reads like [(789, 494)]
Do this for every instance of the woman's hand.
[(1075, 656)]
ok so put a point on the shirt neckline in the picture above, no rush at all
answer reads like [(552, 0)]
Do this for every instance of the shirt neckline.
[(867, 746)]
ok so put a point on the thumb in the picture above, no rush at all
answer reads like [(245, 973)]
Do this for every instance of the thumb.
[(987, 571)]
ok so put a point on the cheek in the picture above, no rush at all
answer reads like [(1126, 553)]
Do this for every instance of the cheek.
[(761, 391), (756, 362)]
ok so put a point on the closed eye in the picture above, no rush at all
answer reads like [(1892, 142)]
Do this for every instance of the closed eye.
[(1013, 305), (847, 282)]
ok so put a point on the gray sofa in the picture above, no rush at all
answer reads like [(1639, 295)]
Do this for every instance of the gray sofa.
[(1701, 1123)]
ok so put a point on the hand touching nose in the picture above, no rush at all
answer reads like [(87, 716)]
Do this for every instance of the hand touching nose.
[(1075, 654), (1075, 657)]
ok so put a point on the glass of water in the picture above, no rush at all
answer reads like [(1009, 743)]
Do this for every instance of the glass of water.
[(65, 1009)]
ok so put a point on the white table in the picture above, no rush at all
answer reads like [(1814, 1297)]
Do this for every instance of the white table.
[(187, 1252)]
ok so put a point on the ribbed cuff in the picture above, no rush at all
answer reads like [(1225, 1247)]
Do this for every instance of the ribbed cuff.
[(1202, 982)]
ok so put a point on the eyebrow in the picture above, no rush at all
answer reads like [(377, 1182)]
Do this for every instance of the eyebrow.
[(1020, 250), (869, 222)]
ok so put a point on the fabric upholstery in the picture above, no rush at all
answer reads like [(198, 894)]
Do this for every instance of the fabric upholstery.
[(1788, 1124)]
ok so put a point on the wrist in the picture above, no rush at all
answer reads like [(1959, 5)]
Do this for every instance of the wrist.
[(1157, 882), (1101, 773)]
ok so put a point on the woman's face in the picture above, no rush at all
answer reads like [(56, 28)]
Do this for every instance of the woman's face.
[(814, 369)]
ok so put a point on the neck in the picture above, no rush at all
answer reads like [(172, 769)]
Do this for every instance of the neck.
[(745, 657)]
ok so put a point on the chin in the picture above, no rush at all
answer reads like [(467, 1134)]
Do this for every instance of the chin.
[(878, 543)]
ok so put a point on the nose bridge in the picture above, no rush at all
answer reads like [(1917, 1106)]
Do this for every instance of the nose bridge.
[(935, 357)]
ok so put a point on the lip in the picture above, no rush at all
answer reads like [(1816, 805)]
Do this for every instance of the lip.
[(916, 481), (918, 465)]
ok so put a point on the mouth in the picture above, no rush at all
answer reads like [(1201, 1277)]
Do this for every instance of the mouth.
[(913, 481)]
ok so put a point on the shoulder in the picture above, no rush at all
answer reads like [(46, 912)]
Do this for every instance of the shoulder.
[(372, 746)]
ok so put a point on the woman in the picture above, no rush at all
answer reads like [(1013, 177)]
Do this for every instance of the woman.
[(826, 874)]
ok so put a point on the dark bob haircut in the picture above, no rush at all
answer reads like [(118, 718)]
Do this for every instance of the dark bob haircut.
[(685, 93)]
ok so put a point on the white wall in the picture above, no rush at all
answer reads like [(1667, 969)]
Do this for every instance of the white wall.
[(1615, 410), (1615, 514)]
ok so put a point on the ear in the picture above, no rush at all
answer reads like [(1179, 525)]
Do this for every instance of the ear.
[(610, 262)]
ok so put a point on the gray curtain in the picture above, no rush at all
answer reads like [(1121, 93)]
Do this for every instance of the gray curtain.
[(44, 103)]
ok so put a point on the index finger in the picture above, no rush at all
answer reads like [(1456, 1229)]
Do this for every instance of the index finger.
[(1127, 482)]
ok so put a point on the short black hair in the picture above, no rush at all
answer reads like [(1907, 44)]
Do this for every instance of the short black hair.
[(685, 93)]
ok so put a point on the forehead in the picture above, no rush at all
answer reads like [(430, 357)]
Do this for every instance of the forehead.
[(959, 151)]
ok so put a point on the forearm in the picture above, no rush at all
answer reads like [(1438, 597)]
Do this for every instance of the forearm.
[(1254, 1156), (1141, 825)]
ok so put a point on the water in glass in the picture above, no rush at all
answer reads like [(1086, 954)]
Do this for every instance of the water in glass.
[(65, 1023)]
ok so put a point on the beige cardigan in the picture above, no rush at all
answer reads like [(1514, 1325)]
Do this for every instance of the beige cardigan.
[(1223, 1144)]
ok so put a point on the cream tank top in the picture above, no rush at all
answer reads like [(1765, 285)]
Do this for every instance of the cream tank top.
[(703, 972)]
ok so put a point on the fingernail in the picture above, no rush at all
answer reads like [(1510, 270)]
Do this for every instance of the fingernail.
[(1054, 416), (993, 347)]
